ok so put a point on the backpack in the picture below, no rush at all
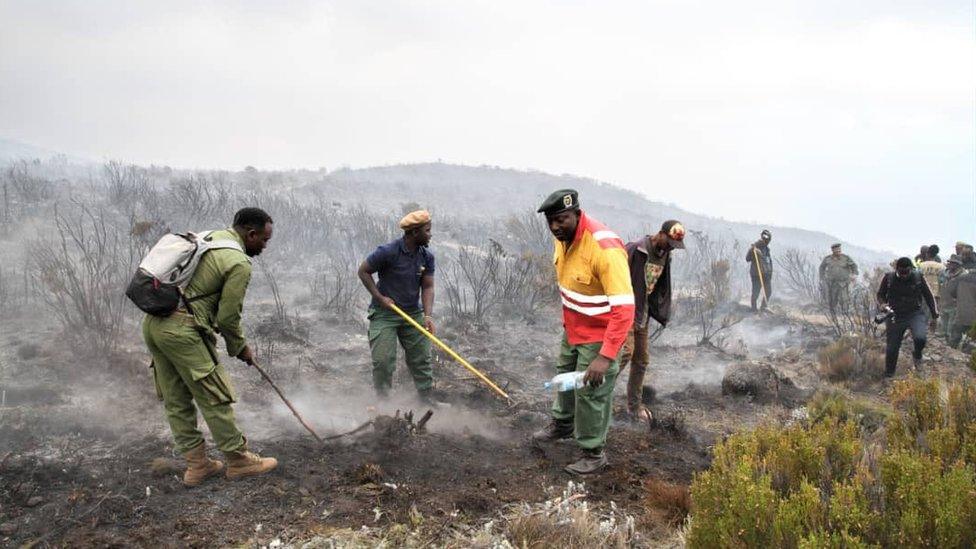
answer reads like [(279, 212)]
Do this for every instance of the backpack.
[(158, 284)]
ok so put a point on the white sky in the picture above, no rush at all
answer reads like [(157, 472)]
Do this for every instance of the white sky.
[(858, 118)]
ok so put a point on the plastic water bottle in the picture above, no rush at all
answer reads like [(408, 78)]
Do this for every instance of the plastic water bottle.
[(568, 381)]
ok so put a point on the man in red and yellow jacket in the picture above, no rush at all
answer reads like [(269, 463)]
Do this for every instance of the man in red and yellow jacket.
[(598, 310)]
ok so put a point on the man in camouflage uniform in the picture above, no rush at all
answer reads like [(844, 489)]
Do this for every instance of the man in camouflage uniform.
[(947, 304), (837, 272), (184, 351)]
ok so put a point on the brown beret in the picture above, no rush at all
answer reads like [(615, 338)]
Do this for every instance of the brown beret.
[(415, 219)]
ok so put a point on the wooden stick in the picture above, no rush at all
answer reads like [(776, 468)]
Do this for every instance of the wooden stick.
[(423, 421), (353, 432), (290, 407)]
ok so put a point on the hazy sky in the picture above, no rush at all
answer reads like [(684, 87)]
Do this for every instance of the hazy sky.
[(858, 118)]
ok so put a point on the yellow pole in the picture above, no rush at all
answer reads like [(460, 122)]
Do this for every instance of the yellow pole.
[(449, 351), (762, 284)]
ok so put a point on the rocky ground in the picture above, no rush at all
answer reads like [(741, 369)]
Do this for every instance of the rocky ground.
[(86, 459)]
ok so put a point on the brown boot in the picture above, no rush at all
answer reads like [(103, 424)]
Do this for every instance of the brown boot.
[(244, 463), (199, 467), (590, 461)]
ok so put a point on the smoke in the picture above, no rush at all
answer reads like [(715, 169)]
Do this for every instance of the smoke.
[(339, 411)]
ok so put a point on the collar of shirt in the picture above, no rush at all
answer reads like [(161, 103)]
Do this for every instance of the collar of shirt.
[(403, 247)]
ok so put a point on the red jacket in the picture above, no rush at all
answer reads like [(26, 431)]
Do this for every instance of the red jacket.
[(594, 284)]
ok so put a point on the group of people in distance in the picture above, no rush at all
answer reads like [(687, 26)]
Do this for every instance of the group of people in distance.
[(609, 291)]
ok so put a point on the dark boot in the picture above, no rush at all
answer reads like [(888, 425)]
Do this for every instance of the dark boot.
[(556, 430), (591, 461), (199, 467), (427, 397)]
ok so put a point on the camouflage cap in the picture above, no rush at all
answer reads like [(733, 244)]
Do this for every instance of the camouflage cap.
[(954, 259), (674, 231), (835, 245), (560, 201)]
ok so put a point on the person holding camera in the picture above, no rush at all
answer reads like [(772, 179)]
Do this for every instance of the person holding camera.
[(903, 292)]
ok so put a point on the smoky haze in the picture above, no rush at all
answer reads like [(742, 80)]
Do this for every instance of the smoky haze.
[(828, 116)]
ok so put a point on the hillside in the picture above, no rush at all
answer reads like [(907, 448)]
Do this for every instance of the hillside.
[(488, 191)]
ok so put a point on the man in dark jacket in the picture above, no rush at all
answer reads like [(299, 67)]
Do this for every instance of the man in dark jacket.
[(761, 269), (650, 275), (904, 291)]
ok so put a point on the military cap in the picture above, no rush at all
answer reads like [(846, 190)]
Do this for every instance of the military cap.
[(560, 201), (766, 235), (675, 233), (954, 259), (835, 245), (415, 219)]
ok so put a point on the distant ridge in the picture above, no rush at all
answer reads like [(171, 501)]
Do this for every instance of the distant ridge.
[(486, 191)]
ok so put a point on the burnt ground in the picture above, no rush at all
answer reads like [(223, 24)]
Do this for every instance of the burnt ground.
[(86, 458)]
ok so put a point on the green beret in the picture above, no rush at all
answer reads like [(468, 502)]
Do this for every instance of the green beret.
[(560, 201)]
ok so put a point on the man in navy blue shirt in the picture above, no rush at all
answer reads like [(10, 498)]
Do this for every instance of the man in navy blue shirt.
[(406, 278)]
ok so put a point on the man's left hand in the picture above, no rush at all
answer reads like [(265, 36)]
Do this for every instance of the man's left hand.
[(596, 370)]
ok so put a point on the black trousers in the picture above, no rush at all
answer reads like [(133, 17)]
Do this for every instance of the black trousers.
[(757, 287), (918, 323)]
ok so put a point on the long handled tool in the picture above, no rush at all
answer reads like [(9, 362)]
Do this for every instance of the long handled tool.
[(449, 351), (762, 283), (282, 395)]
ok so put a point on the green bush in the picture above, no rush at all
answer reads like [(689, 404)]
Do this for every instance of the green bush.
[(850, 476)]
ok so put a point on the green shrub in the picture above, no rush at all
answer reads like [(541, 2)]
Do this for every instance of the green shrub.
[(836, 480)]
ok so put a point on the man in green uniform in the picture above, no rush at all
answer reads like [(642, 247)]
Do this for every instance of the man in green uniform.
[(184, 351), (837, 272), (406, 279), (598, 310), (947, 304)]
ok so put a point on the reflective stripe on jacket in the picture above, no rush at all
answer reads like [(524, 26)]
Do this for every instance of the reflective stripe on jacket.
[(594, 285)]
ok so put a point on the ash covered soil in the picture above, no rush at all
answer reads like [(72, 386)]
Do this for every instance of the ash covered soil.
[(86, 457)]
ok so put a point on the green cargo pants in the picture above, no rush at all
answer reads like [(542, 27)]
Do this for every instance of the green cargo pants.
[(385, 328), (589, 408), (185, 373)]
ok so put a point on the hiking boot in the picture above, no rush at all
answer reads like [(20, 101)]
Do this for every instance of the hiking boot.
[(556, 430), (592, 461), (427, 397), (199, 467), (244, 463)]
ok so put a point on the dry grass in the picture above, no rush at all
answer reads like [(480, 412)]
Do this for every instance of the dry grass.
[(665, 503), (367, 473), (851, 358), (161, 467)]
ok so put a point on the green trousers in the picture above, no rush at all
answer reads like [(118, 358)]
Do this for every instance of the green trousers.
[(946, 316), (588, 408), (185, 374), (385, 329)]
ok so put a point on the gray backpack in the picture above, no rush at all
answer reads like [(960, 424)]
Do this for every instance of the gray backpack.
[(158, 284)]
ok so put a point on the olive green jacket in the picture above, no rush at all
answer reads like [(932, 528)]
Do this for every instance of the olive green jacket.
[(837, 268), (217, 290)]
